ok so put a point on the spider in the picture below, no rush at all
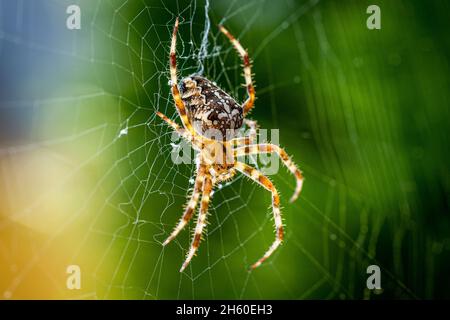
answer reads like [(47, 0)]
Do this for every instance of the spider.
[(203, 106)]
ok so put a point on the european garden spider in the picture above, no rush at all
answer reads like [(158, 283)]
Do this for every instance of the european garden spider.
[(203, 107)]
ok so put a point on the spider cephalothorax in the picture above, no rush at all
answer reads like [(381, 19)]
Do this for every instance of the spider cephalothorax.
[(212, 111), (206, 110)]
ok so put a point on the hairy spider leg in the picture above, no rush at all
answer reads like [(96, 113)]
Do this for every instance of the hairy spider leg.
[(181, 108), (248, 104), (252, 124), (190, 207), (182, 132), (201, 221), (263, 181), (269, 148), (197, 143)]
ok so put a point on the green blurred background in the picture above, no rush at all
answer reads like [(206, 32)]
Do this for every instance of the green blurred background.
[(87, 173)]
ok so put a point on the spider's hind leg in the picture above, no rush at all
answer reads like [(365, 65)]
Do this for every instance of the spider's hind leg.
[(248, 104), (179, 104)]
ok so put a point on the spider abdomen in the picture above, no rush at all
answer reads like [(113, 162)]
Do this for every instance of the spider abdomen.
[(212, 111)]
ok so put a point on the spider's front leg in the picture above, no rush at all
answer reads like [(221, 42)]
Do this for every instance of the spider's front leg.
[(268, 148), (201, 221), (263, 181), (191, 205)]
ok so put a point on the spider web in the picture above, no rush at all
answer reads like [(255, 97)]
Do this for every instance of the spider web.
[(113, 157)]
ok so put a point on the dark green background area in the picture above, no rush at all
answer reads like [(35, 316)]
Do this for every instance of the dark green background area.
[(363, 112)]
